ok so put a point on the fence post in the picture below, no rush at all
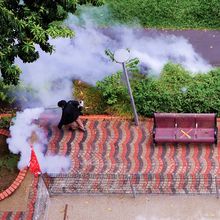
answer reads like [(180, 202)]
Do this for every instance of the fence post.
[(132, 188), (217, 189)]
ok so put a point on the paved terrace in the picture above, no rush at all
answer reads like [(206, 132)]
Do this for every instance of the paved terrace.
[(115, 146)]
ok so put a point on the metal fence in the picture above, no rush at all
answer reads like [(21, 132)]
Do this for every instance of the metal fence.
[(131, 184)]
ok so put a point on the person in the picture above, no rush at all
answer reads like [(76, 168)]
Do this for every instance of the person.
[(71, 111)]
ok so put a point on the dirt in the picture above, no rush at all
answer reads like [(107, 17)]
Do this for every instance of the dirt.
[(6, 176), (19, 199)]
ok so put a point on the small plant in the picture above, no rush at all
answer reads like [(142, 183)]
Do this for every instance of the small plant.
[(9, 161), (112, 88), (5, 122)]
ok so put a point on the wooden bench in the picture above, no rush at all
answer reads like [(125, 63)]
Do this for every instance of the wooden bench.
[(185, 128)]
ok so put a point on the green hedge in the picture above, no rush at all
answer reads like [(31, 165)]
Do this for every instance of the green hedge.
[(175, 90), (167, 13)]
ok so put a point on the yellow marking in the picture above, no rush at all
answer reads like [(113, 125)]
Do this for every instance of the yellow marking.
[(186, 133)]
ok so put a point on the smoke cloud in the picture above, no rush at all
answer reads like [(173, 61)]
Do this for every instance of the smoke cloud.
[(83, 57), (24, 134)]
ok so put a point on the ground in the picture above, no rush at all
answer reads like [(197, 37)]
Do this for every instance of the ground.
[(18, 201), (7, 176), (124, 207)]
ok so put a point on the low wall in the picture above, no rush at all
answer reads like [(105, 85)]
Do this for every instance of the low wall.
[(42, 202)]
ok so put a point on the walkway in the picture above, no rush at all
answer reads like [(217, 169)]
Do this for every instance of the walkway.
[(205, 42), (124, 207), (116, 146)]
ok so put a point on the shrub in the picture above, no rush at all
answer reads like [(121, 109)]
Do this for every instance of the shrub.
[(115, 95), (176, 90), (112, 89)]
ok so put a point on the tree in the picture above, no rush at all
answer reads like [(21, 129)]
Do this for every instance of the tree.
[(25, 24)]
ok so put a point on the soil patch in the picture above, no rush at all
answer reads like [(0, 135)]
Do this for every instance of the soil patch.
[(7, 177), (8, 165)]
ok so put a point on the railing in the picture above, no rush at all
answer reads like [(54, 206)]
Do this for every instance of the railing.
[(131, 184)]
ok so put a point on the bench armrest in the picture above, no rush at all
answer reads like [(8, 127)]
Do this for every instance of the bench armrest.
[(196, 130)]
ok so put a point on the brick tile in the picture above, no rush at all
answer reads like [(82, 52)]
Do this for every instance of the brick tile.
[(2, 196)]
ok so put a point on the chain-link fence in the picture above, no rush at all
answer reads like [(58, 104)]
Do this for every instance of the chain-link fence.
[(131, 184)]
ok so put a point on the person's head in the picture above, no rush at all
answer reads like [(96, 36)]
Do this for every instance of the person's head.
[(61, 103)]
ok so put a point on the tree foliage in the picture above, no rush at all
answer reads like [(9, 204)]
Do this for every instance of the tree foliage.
[(25, 24)]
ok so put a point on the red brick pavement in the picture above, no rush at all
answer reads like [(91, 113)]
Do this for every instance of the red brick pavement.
[(113, 145)]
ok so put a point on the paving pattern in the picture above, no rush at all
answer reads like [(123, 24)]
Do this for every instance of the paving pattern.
[(12, 215), (114, 146)]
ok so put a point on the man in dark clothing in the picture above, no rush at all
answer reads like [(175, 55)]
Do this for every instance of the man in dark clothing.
[(71, 111)]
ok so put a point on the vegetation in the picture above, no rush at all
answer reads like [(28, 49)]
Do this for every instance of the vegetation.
[(25, 24), (91, 96), (5, 122), (175, 90), (9, 161), (176, 14), (4, 91)]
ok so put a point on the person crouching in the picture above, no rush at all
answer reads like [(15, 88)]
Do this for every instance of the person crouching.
[(71, 111)]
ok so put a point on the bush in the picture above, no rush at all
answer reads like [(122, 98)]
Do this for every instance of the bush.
[(177, 90), (115, 95), (112, 89)]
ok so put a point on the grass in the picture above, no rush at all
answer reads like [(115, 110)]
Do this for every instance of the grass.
[(170, 14)]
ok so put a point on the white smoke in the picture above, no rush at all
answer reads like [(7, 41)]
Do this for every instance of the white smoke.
[(83, 57), (19, 142)]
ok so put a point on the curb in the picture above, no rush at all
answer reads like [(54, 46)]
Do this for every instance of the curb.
[(17, 182)]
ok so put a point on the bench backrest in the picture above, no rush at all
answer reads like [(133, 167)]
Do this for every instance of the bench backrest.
[(165, 120), (206, 120), (184, 120)]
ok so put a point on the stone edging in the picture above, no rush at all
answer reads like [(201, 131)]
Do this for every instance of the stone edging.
[(17, 182)]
